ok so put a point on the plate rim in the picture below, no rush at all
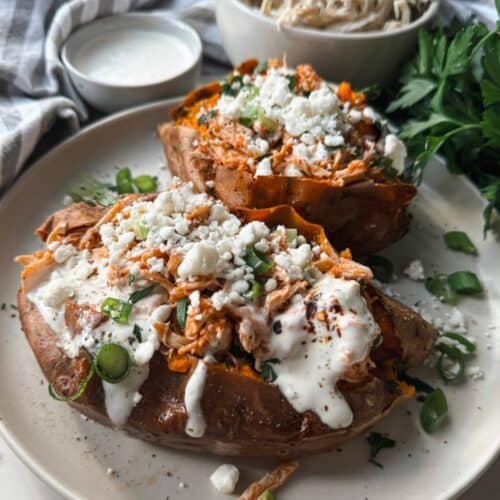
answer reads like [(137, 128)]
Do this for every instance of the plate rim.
[(36, 466)]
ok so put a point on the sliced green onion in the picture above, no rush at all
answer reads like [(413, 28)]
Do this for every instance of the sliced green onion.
[(267, 371), (267, 495), (118, 310), (140, 229), (145, 183), (137, 332), (434, 411), (253, 113), (124, 182), (141, 294), (112, 363), (77, 393), (439, 287), (382, 268), (469, 346), (291, 234), (258, 261), (249, 115), (260, 68), (378, 442), (131, 278), (181, 312), (465, 283), (255, 291), (451, 369), (459, 241), (450, 351)]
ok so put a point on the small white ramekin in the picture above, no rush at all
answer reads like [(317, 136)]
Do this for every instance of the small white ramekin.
[(111, 97)]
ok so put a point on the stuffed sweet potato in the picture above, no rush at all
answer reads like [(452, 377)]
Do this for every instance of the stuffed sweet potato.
[(193, 327), (270, 135)]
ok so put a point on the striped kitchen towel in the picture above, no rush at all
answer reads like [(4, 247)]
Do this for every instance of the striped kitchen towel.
[(34, 87)]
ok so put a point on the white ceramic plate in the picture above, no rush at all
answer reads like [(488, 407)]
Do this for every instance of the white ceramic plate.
[(73, 455)]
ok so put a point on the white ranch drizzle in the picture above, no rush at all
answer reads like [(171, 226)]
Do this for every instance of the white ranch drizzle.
[(196, 424), (313, 359), (120, 399)]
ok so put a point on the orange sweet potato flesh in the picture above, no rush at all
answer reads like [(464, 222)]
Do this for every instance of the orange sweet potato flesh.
[(245, 415), (365, 216)]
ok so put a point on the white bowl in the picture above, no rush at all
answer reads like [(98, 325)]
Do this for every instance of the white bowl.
[(361, 58), (109, 97)]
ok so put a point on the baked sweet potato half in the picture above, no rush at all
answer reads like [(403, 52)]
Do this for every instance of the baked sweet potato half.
[(270, 135), (232, 333)]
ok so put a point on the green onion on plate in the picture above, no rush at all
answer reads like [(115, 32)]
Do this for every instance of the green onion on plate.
[(434, 411), (459, 241), (465, 283), (124, 183), (439, 287), (145, 183)]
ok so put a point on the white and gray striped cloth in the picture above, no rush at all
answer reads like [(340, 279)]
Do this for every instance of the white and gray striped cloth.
[(34, 87)]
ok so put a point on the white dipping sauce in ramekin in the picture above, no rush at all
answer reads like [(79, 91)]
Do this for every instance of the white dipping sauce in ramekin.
[(133, 57)]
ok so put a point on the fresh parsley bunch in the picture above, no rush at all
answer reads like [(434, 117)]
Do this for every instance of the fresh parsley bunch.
[(448, 100)]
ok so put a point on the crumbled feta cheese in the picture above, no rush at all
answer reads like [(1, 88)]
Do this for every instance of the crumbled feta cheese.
[(369, 113), (270, 285), (201, 260), (258, 146), (474, 372), (225, 478), (355, 115), (415, 270), (455, 322), (264, 167), (292, 171), (395, 149), (194, 299), (334, 141), (156, 264), (63, 252)]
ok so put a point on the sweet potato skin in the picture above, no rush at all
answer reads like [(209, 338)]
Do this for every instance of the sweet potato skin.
[(365, 216), (245, 415)]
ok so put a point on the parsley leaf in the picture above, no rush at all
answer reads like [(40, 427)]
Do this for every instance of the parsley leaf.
[(378, 442), (447, 100)]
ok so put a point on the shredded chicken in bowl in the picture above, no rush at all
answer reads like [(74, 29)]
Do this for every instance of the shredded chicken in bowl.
[(343, 15)]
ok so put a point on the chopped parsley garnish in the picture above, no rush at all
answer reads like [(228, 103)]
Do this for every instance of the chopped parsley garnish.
[(137, 332), (377, 443)]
